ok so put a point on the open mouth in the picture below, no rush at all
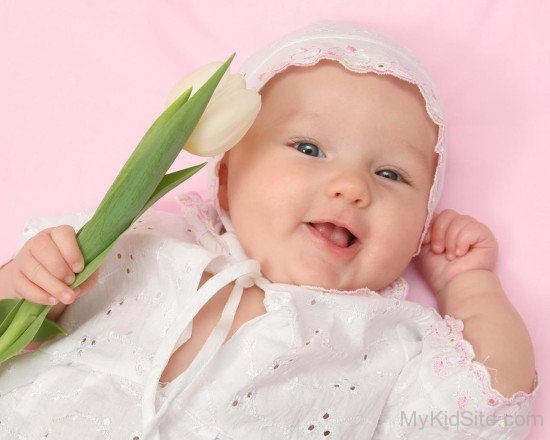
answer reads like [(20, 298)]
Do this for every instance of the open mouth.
[(338, 236)]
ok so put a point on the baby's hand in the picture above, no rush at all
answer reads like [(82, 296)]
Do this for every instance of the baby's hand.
[(45, 266), (455, 244)]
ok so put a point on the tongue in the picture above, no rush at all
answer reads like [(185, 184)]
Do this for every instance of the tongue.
[(337, 235)]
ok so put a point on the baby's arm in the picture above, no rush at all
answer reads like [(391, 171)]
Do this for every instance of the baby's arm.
[(493, 327), (458, 265)]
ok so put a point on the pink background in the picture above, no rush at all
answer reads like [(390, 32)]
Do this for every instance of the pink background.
[(81, 82)]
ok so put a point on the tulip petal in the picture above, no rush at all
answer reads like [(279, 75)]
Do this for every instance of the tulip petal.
[(195, 80), (225, 124), (233, 83)]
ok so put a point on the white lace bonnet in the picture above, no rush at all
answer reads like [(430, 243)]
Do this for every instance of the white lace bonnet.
[(358, 49)]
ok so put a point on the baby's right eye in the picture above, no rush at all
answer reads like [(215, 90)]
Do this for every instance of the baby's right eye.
[(310, 151)]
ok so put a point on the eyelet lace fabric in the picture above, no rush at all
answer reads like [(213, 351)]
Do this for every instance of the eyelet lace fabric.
[(317, 364)]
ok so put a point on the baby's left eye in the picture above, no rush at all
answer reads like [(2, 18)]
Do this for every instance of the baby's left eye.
[(399, 176), (310, 150)]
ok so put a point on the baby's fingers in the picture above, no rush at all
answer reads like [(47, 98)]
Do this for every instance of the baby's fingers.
[(46, 252), (457, 225), (64, 237), (468, 236), (34, 283), (439, 229)]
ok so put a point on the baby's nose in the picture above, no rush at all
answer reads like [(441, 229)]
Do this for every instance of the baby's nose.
[(352, 187)]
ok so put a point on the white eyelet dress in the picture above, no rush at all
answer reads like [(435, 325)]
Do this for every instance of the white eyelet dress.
[(318, 364)]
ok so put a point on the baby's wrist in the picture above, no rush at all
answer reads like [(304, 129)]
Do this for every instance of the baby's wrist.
[(471, 281), (463, 292)]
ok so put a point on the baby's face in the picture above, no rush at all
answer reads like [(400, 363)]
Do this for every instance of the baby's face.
[(332, 144)]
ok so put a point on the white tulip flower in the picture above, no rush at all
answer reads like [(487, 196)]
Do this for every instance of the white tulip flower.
[(229, 114)]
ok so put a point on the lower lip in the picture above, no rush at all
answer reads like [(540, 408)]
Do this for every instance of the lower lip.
[(344, 253)]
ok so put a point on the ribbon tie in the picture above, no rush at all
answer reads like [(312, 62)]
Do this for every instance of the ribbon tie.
[(246, 273)]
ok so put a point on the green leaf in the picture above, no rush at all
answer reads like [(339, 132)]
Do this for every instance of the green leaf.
[(144, 170), (168, 183), (26, 312), (8, 309), (132, 187), (48, 329), (25, 339), (92, 266)]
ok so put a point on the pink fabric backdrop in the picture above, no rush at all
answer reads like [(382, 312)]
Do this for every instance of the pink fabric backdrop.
[(81, 82)]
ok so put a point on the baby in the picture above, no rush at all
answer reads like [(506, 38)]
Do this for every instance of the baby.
[(279, 312)]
